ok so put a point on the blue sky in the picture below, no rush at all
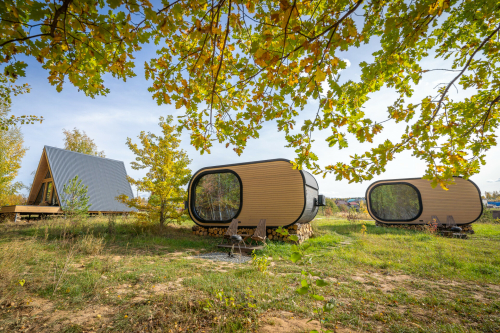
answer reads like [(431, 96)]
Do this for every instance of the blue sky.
[(129, 109)]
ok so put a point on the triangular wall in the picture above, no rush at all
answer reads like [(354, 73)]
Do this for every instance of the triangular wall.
[(40, 180), (105, 178)]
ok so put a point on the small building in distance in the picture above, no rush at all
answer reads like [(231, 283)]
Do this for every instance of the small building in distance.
[(341, 203), (493, 204), (106, 179)]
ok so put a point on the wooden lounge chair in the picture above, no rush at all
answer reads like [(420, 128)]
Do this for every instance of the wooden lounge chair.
[(260, 232), (232, 229), (450, 221), (435, 220)]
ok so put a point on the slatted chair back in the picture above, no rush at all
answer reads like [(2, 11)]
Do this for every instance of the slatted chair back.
[(260, 231), (232, 229), (434, 219), (450, 221)]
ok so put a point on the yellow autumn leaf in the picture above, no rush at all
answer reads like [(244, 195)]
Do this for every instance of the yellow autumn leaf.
[(320, 75), (286, 17)]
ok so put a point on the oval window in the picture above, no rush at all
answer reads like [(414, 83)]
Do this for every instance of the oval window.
[(217, 197), (395, 202)]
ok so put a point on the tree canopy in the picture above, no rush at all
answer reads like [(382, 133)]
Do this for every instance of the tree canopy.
[(12, 152), (80, 142), (167, 174), (74, 198), (233, 65)]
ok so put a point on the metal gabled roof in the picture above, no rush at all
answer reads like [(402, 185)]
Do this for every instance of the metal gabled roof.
[(106, 178)]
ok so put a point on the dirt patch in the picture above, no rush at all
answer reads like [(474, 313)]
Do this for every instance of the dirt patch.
[(161, 288), (123, 289), (359, 278), (383, 282), (85, 317), (286, 322), (78, 266), (39, 305), (46, 315), (399, 278)]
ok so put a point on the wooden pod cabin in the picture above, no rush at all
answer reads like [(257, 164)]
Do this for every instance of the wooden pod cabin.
[(414, 201), (270, 190)]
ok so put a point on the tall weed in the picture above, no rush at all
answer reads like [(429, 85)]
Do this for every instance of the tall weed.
[(91, 245)]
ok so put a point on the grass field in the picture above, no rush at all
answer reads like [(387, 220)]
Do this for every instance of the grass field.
[(98, 275)]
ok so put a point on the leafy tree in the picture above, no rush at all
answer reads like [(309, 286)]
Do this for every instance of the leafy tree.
[(80, 142), (493, 196), (166, 176), (333, 207), (12, 152), (74, 198), (232, 65), (328, 212), (7, 89)]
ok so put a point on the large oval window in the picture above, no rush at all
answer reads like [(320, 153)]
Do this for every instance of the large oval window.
[(217, 196), (395, 202)]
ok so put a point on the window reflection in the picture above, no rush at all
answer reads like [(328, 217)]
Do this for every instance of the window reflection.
[(217, 196), (48, 197), (395, 202), (39, 197)]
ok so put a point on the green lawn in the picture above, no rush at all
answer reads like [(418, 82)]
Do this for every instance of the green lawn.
[(93, 276)]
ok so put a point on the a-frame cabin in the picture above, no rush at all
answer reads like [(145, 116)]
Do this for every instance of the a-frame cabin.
[(105, 178)]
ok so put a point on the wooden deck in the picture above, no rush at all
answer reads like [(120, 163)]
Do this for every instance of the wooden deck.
[(31, 209)]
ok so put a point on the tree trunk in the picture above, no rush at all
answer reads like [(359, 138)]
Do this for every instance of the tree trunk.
[(162, 213)]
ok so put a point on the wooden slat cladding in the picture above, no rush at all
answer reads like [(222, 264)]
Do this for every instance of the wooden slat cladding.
[(30, 209), (41, 171), (271, 190), (462, 201)]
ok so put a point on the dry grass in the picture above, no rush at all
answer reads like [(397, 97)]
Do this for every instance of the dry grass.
[(13, 258), (113, 276), (91, 245)]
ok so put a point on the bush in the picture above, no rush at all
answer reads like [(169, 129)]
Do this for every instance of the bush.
[(487, 216)]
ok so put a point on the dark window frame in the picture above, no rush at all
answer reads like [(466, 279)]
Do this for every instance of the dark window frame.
[(41, 194), (396, 183), (192, 199)]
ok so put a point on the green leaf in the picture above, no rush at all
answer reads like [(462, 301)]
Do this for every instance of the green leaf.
[(318, 297), (293, 238), (302, 290), (321, 283), (304, 283), (296, 256)]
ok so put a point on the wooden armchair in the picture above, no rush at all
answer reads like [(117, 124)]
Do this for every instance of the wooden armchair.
[(232, 229), (260, 232)]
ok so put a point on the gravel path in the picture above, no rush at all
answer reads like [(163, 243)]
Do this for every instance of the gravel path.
[(223, 256)]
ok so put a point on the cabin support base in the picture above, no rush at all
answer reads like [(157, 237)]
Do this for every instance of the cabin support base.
[(441, 229), (303, 231)]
